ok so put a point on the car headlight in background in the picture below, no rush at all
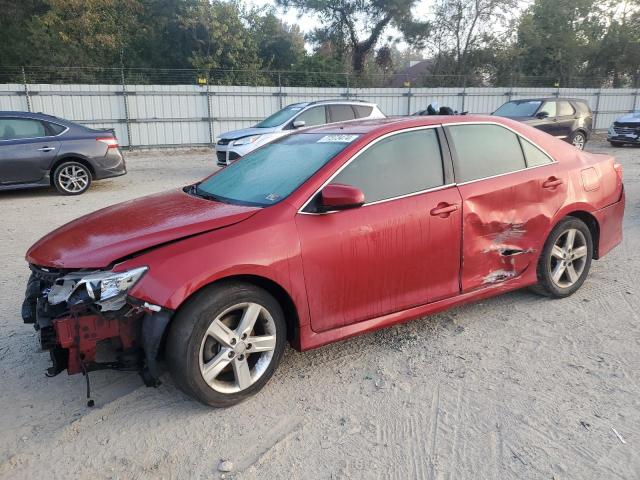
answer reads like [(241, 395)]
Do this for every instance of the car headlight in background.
[(107, 289), (246, 140)]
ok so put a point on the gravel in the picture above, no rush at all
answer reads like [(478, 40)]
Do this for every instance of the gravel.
[(517, 386)]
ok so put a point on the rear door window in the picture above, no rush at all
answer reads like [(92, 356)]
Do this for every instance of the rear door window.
[(17, 128), (485, 151), (565, 109), (313, 116), (399, 165), (55, 129), (341, 113)]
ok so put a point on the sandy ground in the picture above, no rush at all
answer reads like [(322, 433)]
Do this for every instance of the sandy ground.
[(518, 386)]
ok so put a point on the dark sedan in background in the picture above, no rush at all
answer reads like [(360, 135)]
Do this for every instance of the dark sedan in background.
[(38, 150), (569, 119), (625, 130)]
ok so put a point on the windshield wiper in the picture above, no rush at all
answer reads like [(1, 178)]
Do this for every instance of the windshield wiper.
[(197, 192)]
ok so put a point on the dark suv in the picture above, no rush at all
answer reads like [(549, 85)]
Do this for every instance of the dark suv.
[(39, 150), (569, 119)]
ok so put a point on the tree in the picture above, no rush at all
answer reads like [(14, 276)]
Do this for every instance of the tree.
[(280, 46), (346, 19)]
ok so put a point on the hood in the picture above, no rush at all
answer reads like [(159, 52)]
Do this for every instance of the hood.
[(245, 132), (100, 238), (633, 117)]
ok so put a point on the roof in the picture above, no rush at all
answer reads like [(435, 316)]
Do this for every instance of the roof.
[(17, 114), (545, 99), (334, 100), (397, 123)]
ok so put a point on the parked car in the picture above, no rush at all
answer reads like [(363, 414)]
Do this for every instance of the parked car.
[(323, 234), (233, 145), (569, 119), (625, 130), (38, 150)]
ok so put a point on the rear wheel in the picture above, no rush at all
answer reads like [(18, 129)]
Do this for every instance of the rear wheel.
[(566, 258), (225, 344), (579, 140), (71, 178)]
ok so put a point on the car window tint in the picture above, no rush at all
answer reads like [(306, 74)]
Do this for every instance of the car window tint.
[(565, 109), (550, 108), (398, 165), (362, 110), (55, 128), (340, 113), (484, 151), (313, 116), (533, 155), (583, 108), (16, 128)]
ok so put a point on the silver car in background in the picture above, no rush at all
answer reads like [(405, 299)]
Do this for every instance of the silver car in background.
[(232, 145)]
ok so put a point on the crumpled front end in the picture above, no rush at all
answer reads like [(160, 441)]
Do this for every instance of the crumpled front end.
[(74, 311)]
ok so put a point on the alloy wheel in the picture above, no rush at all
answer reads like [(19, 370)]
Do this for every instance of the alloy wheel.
[(578, 141), (568, 258), (73, 179), (237, 347)]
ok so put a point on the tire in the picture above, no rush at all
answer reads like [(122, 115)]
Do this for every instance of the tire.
[(578, 139), (193, 352), (556, 259), (71, 178)]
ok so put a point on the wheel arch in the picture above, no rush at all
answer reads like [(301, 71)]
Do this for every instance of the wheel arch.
[(71, 158), (592, 224), (281, 295)]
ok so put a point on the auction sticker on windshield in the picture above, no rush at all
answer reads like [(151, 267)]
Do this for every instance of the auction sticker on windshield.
[(338, 138)]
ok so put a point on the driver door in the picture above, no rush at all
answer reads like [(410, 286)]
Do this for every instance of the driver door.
[(400, 249)]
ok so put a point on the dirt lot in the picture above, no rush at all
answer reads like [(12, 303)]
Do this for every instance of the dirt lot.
[(518, 386)]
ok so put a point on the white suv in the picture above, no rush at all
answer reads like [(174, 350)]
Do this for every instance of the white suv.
[(233, 145)]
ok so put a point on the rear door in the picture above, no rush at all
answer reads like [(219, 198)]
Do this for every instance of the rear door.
[(401, 249), (27, 150), (510, 191), (548, 124)]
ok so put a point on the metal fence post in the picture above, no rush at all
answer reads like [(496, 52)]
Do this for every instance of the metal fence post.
[(127, 119), (280, 91), (348, 93), (26, 90), (409, 95), (597, 110), (209, 117)]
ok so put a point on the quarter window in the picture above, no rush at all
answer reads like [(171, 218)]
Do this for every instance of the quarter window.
[(16, 128), (533, 155), (484, 151), (362, 110), (341, 113), (399, 165)]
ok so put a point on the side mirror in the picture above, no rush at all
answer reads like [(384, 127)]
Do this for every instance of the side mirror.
[(299, 123), (542, 114), (340, 197)]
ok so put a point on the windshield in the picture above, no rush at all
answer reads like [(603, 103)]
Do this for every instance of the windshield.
[(279, 117), (525, 108), (269, 174)]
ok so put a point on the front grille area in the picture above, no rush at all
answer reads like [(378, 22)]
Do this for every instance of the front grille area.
[(631, 128), (222, 157)]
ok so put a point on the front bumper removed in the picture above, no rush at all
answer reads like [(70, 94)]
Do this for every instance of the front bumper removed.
[(72, 334)]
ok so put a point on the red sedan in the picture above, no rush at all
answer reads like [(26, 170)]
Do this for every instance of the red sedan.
[(318, 236)]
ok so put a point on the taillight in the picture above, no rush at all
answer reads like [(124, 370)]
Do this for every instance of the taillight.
[(618, 168), (111, 142)]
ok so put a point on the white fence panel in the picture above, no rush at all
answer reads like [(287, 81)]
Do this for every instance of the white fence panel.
[(186, 115)]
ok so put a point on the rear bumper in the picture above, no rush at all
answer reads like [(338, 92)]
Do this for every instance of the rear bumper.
[(610, 224), (111, 165)]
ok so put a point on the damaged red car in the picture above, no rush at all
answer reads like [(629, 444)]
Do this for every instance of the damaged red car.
[(318, 236)]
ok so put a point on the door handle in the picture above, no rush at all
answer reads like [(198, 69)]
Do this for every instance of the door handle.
[(443, 210), (46, 149), (551, 182)]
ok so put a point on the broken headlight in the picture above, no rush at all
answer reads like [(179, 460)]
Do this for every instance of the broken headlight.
[(108, 290)]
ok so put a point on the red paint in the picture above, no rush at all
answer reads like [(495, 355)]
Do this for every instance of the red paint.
[(341, 196), (359, 269), (80, 335)]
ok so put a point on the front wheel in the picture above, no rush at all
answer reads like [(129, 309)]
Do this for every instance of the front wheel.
[(566, 258), (579, 140), (226, 343)]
